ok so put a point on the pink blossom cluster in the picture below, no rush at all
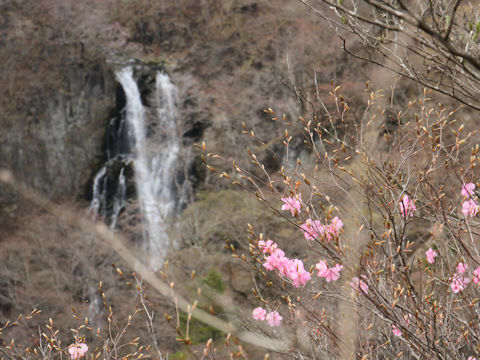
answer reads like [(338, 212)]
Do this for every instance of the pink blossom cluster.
[(267, 246), (396, 330), (407, 206), (358, 284), (330, 274), (459, 281), (293, 203), (313, 229), (76, 351), (431, 255), (470, 206), (292, 269), (273, 318), (467, 189)]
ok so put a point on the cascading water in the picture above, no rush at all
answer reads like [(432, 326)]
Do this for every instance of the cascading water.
[(109, 191), (154, 155), (154, 159), (98, 195), (120, 198)]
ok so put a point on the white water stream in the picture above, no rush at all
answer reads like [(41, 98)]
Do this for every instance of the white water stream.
[(154, 159)]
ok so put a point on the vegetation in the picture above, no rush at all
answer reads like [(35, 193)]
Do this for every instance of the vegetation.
[(360, 204)]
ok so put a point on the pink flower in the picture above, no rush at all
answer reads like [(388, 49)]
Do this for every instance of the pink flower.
[(267, 247), (285, 266), (292, 269), (275, 261), (337, 224), (476, 275), (312, 229), (471, 358), (293, 204), (331, 274), (431, 255), (470, 208), (407, 207), (297, 273), (77, 350), (461, 268), (467, 189), (359, 285), (396, 330), (459, 283), (333, 229), (322, 268), (259, 313), (334, 273), (274, 318)]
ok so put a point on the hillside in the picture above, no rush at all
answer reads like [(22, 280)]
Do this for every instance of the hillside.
[(229, 60)]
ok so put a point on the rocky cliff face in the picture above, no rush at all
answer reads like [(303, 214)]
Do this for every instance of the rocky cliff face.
[(228, 57), (53, 141)]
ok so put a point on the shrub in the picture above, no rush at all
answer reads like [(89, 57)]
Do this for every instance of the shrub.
[(386, 228)]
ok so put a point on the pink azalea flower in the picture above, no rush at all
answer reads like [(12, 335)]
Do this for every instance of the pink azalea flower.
[(461, 268), (297, 273), (322, 268), (293, 204), (304, 277), (267, 247), (476, 275), (431, 255), (337, 225), (312, 229), (459, 283), (396, 330), (331, 274), (359, 285), (407, 207), (471, 358), (292, 269), (286, 267), (467, 189), (259, 313), (77, 350), (273, 318), (334, 273), (456, 286), (470, 208), (275, 261)]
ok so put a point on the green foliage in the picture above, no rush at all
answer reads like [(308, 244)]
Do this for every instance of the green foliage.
[(199, 332), (178, 355), (214, 280)]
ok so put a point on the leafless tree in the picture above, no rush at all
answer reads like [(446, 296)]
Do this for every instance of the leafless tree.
[(434, 43)]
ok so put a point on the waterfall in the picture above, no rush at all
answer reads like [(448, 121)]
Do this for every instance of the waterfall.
[(120, 198), (109, 190), (155, 157), (98, 194)]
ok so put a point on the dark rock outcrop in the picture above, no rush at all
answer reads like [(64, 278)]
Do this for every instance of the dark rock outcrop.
[(53, 141)]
